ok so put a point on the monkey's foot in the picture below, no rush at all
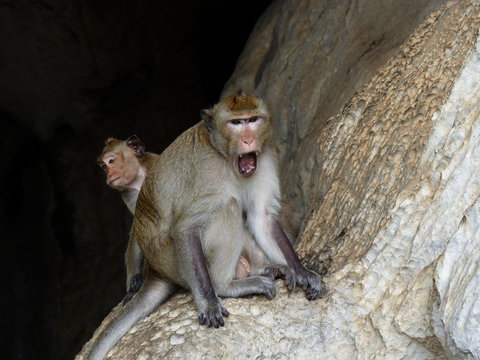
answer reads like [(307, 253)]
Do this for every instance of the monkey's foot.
[(213, 315), (311, 283)]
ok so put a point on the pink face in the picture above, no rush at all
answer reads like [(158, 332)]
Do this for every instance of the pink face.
[(246, 129), (121, 168)]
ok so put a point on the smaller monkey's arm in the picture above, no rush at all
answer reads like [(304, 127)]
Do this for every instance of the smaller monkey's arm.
[(309, 280), (134, 263), (211, 310)]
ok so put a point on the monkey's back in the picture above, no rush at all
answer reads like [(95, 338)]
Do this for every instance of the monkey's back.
[(182, 187)]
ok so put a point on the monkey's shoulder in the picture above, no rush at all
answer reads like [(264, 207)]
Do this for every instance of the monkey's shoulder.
[(188, 154), (190, 141)]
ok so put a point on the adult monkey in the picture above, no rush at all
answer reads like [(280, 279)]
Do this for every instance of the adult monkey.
[(126, 164), (211, 195)]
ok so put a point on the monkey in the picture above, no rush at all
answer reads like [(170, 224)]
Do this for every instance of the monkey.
[(125, 164), (210, 197)]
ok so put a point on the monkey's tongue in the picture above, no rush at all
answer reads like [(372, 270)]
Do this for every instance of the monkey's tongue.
[(247, 163)]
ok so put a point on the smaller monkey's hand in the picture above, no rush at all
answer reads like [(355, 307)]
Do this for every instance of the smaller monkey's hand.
[(213, 315), (134, 285), (311, 283)]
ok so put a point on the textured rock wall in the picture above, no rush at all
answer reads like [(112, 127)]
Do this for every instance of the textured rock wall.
[(392, 212), (395, 191)]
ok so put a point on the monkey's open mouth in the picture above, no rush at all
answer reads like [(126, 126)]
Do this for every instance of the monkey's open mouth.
[(247, 163)]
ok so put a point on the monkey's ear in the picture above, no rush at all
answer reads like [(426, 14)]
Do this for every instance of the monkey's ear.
[(136, 144), (206, 115)]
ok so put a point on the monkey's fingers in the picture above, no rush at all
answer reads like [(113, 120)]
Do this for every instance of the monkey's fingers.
[(290, 280), (310, 283), (211, 320), (316, 293), (323, 290), (225, 312), (136, 283), (213, 316), (281, 272), (311, 293), (276, 271)]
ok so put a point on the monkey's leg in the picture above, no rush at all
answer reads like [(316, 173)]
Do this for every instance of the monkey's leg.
[(153, 293), (224, 240), (189, 252)]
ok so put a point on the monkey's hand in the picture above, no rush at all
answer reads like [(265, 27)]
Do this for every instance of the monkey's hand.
[(213, 315), (280, 272), (311, 283), (134, 285)]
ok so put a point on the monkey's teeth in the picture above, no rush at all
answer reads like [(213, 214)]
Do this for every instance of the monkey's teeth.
[(241, 155)]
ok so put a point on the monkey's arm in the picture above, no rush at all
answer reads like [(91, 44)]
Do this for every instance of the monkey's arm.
[(196, 275), (309, 280), (134, 263)]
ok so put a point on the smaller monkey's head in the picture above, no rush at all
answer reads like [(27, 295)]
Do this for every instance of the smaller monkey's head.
[(120, 160), (239, 126)]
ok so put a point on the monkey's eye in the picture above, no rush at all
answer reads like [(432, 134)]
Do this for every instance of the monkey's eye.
[(111, 161), (253, 119), (235, 122)]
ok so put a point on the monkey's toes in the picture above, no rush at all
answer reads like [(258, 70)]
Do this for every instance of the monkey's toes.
[(270, 291), (315, 289), (323, 290)]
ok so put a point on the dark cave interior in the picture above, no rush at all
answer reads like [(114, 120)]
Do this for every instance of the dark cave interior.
[(73, 73)]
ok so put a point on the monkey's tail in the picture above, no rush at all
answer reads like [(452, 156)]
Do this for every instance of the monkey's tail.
[(153, 293)]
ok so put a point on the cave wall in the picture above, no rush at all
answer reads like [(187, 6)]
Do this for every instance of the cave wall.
[(73, 73)]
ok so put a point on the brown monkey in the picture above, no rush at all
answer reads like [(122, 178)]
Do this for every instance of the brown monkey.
[(211, 196), (125, 164)]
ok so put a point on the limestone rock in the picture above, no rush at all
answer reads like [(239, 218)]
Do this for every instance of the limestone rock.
[(392, 213)]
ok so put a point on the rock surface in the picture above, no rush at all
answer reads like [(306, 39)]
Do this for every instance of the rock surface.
[(392, 213)]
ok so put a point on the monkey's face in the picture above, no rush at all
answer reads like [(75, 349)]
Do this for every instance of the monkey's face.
[(245, 137), (120, 167), (239, 126)]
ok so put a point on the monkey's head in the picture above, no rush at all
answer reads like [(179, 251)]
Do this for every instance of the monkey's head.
[(120, 160), (239, 126)]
